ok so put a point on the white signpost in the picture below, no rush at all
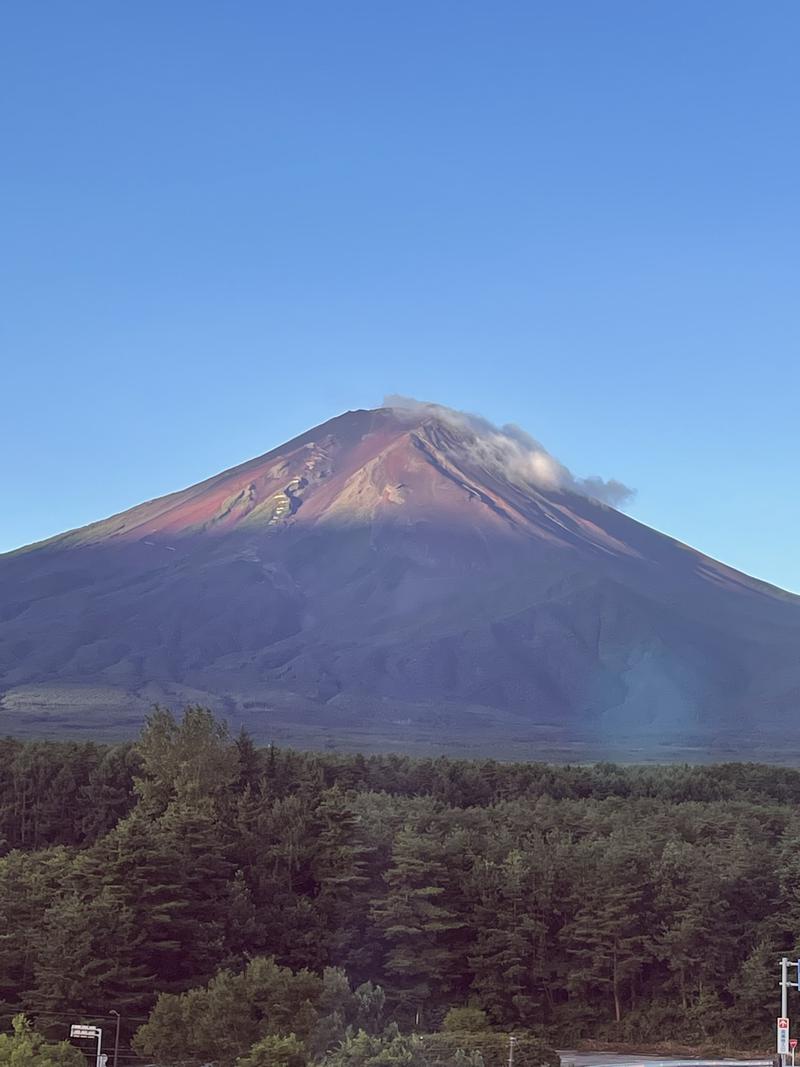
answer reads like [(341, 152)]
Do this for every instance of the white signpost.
[(90, 1032), (783, 1036)]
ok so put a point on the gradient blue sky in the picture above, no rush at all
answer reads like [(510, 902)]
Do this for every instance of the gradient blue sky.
[(225, 222)]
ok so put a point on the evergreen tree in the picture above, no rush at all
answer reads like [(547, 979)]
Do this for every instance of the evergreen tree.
[(544, 896), (173, 875), (508, 960), (607, 937), (416, 923), (341, 883), (85, 953), (251, 771), (29, 884)]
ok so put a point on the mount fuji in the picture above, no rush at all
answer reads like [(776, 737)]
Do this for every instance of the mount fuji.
[(404, 578)]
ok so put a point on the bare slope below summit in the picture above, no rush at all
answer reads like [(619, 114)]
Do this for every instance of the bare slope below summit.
[(388, 578)]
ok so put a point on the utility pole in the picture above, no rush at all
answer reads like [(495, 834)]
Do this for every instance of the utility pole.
[(783, 1021), (784, 988), (511, 1040)]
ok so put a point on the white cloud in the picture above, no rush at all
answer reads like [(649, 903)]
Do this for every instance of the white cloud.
[(513, 452)]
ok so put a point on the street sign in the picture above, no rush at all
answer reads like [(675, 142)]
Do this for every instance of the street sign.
[(783, 1035), (793, 1043), (78, 1030)]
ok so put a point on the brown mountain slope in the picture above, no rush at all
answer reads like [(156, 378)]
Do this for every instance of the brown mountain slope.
[(398, 578)]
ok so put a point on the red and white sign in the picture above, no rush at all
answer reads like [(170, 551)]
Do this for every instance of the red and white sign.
[(793, 1043), (783, 1035)]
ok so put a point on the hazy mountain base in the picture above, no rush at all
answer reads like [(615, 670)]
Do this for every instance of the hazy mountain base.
[(63, 711)]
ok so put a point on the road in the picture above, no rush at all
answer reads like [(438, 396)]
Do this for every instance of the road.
[(600, 1059), (571, 1058)]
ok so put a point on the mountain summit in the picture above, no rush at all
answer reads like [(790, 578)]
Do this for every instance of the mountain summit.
[(405, 577)]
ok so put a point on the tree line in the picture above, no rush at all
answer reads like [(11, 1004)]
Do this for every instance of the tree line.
[(626, 903)]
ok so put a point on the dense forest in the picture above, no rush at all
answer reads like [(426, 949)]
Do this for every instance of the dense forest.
[(271, 906)]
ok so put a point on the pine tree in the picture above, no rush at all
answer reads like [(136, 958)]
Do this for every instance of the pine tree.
[(753, 988), (416, 923), (251, 771), (29, 883), (508, 958), (174, 876), (339, 871), (85, 952), (607, 936)]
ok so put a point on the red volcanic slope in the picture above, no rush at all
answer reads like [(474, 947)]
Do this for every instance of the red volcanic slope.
[(370, 466), (383, 571)]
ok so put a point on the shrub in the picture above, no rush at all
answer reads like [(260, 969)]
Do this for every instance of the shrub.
[(24, 1047), (465, 1020), (390, 1049), (274, 1051)]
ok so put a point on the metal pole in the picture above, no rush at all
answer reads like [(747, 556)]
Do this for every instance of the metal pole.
[(99, 1045), (784, 987), (116, 1036), (511, 1040), (784, 997)]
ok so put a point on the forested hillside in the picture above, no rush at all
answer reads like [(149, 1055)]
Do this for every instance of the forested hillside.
[(616, 902)]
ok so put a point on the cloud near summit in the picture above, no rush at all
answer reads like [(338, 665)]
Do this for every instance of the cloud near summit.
[(513, 452)]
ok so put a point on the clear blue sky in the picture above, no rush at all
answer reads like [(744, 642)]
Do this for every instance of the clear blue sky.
[(225, 222)]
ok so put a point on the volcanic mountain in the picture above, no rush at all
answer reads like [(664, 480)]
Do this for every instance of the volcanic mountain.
[(402, 578)]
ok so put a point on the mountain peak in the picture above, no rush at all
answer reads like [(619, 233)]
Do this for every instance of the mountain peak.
[(403, 463)]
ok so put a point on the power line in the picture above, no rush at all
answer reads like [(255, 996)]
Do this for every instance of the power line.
[(28, 1010)]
